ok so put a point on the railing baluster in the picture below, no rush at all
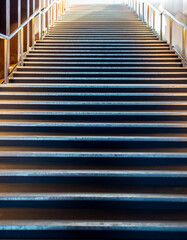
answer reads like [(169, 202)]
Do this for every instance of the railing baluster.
[(161, 26), (148, 14), (139, 10), (28, 25), (47, 21), (56, 11), (53, 8), (143, 11), (51, 14), (19, 23), (33, 26), (40, 22), (170, 32), (33, 32), (184, 46), (154, 20), (6, 61), (21, 46), (7, 43)]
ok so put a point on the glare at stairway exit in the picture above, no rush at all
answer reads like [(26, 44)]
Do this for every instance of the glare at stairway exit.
[(97, 1)]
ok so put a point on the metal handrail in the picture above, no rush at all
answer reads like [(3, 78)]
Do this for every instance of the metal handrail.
[(174, 18), (161, 13), (2, 36), (40, 12)]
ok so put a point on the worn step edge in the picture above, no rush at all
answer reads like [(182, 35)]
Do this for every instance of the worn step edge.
[(87, 94), (18, 196), (27, 79), (93, 138), (93, 113), (100, 67), (98, 103), (182, 73), (41, 154), (40, 62), (93, 173), (73, 85)]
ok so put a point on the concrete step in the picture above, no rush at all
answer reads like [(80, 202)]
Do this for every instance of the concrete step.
[(99, 41), (94, 87), (96, 69), (98, 80), (147, 226), (92, 96), (103, 55), (92, 197), (78, 137), (126, 60), (41, 62), (166, 73), (116, 48), (143, 51)]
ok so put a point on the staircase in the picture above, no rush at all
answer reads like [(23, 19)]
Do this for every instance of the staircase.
[(93, 133)]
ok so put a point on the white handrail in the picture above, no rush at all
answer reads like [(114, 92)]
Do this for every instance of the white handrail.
[(20, 29), (161, 13)]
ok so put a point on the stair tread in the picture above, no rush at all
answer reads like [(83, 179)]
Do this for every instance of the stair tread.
[(100, 63), (93, 173), (124, 113), (19, 196), (90, 154), (94, 225), (100, 67), (89, 94), (30, 137), (72, 85), (44, 102)]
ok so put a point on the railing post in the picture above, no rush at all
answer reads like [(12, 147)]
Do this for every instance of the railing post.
[(148, 14), (33, 32), (44, 18), (184, 47), (21, 46), (19, 23), (154, 20), (161, 26), (40, 21), (42, 26), (7, 43), (139, 10), (170, 32), (33, 26), (51, 14), (57, 12), (28, 25), (47, 21), (143, 11), (6, 60), (53, 8)]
